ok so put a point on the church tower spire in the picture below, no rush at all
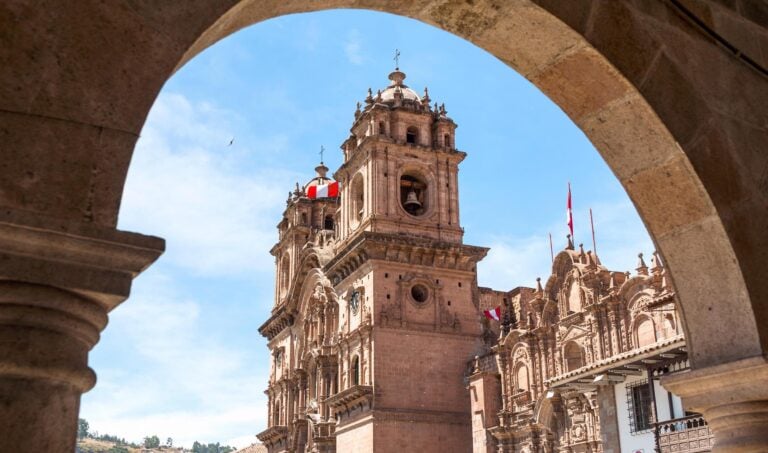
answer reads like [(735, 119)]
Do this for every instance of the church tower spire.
[(400, 170)]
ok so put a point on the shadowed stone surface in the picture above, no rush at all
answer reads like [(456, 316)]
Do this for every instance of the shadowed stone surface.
[(77, 81)]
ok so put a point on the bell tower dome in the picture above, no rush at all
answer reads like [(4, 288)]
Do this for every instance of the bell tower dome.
[(400, 170)]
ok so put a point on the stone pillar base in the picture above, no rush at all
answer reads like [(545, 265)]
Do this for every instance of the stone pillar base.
[(733, 398), (56, 288)]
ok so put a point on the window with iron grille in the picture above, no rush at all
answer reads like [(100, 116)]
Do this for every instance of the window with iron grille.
[(639, 405)]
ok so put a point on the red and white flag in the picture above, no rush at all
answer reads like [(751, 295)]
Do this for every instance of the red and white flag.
[(569, 212), (325, 191), (494, 314)]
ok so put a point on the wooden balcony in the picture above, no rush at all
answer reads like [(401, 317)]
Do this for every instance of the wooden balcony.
[(683, 435)]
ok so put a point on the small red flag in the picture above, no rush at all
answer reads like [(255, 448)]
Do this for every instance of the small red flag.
[(494, 314)]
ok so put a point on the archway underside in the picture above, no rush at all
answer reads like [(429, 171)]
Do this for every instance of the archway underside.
[(679, 120)]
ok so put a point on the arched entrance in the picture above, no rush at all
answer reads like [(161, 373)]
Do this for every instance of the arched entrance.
[(677, 116)]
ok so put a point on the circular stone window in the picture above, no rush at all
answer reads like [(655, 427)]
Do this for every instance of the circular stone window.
[(420, 293)]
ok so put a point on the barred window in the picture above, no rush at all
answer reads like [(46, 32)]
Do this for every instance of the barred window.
[(639, 405)]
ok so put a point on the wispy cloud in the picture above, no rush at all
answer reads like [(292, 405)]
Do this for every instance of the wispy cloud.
[(187, 185), (515, 261), (353, 47), (190, 384)]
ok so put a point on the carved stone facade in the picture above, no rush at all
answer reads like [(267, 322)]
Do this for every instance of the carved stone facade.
[(378, 316), (376, 302), (571, 352)]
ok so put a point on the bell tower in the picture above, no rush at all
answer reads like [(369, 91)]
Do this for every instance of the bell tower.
[(407, 286), (376, 309), (400, 170)]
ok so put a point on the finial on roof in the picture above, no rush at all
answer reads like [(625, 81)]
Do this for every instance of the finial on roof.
[(369, 98), (656, 265), (581, 250), (538, 284), (642, 269), (612, 282), (569, 245), (425, 99), (357, 110), (664, 282)]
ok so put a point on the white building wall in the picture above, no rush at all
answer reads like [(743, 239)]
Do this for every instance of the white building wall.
[(642, 442)]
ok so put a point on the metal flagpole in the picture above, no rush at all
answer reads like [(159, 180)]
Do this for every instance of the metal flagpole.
[(551, 248), (592, 223)]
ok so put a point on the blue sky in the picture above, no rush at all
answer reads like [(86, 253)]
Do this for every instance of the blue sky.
[(182, 358)]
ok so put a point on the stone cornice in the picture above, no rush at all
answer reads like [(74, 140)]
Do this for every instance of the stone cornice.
[(90, 260), (273, 434), (279, 320), (402, 249)]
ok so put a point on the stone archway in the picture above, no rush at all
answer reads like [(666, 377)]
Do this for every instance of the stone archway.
[(678, 117)]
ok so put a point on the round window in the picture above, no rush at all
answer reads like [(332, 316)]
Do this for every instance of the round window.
[(419, 293)]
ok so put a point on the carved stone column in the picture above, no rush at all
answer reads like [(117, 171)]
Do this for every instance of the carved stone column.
[(56, 288), (734, 400)]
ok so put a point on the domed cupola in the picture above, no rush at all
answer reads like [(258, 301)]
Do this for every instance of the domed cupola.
[(320, 178), (397, 90)]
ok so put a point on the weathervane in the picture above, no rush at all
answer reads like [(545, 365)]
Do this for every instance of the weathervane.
[(322, 150), (397, 60)]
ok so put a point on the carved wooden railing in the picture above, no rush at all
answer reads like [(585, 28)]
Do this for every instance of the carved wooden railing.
[(683, 435)]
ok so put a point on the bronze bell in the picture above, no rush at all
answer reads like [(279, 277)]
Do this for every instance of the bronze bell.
[(411, 201)]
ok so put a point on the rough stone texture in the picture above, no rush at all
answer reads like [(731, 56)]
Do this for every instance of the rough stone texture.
[(484, 392), (56, 290), (77, 80), (733, 399), (609, 430)]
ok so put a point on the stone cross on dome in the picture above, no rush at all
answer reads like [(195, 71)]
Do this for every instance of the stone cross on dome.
[(397, 60)]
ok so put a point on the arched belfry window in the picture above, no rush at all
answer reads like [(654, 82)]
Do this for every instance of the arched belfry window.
[(356, 371), (276, 414), (328, 223), (357, 199), (285, 270), (382, 128), (413, 194), (447, 140), (412, 135)]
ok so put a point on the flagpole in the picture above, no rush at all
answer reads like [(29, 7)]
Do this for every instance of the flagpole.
[(570, 214), (551, 248), (592, 224)]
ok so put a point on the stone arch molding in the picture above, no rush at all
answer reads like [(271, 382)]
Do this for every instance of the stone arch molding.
[(678, 119)]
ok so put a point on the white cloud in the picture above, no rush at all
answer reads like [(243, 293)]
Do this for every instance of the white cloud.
[(187, 382), (353, 48), (187, 185), (513, 262)]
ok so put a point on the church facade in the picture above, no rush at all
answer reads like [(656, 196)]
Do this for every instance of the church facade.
[(377, 336)]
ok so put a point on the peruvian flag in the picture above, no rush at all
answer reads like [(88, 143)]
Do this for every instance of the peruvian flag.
[(494, 314), (325, 191), (569, 211)]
